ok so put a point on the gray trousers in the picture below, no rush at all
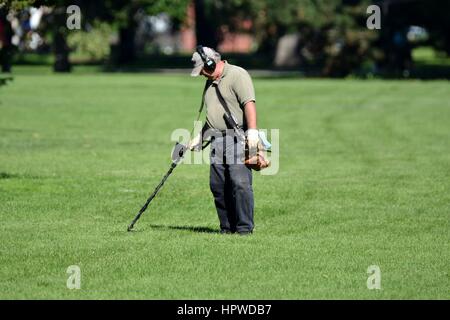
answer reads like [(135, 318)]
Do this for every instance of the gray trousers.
[(231, 184)]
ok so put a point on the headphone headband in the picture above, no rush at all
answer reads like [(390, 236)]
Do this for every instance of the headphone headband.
[(210, 64)]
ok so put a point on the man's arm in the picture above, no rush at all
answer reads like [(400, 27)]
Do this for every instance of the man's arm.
[(252, 131), (196, 142), (245, 93), (250, 114)]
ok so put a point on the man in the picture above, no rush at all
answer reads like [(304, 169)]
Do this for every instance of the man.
[(230, 178)]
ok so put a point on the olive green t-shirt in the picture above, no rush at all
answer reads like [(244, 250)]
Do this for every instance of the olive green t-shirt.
[(237, 89)]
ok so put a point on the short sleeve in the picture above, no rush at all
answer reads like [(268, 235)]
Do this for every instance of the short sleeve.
[(243, 87)]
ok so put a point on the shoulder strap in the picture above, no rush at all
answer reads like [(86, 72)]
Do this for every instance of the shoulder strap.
[(223, 102), (229, 118)]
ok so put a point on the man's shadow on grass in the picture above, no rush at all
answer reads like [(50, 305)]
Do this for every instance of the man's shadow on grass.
[(185, 228)]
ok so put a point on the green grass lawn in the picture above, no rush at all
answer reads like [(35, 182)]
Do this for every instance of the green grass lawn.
[(364, 179)]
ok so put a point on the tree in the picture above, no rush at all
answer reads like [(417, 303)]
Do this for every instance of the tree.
[(398, 16), (331, 33), (120, 13), (6, 47), (205, 26), (57, 23)]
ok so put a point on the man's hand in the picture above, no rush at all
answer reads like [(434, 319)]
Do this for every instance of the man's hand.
[(196, 143), (252, 138)]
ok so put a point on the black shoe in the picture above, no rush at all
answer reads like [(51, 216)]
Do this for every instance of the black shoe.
[(245, 233), (225, 231)]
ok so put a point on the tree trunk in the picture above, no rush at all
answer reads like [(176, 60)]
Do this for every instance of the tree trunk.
[(205, 28), (126, 46), (60, 47), (5, 39)]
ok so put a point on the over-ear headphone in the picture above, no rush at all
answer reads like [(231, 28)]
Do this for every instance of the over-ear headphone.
[(210, 64)]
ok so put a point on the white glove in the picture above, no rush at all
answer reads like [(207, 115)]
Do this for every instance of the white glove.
[(195, 143), (252, 138)]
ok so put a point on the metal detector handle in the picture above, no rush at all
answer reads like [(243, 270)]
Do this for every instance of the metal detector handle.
[(178, 152)]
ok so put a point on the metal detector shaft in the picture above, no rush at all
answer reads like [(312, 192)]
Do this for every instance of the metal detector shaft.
[(177, 156), (174, 164)]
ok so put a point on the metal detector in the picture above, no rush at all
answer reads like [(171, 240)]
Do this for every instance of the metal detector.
[(177, 156)]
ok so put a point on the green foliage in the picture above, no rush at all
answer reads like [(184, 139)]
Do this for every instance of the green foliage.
[(91, 45), (176, 9), (16, 4), (332, 36), (120, 12)]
